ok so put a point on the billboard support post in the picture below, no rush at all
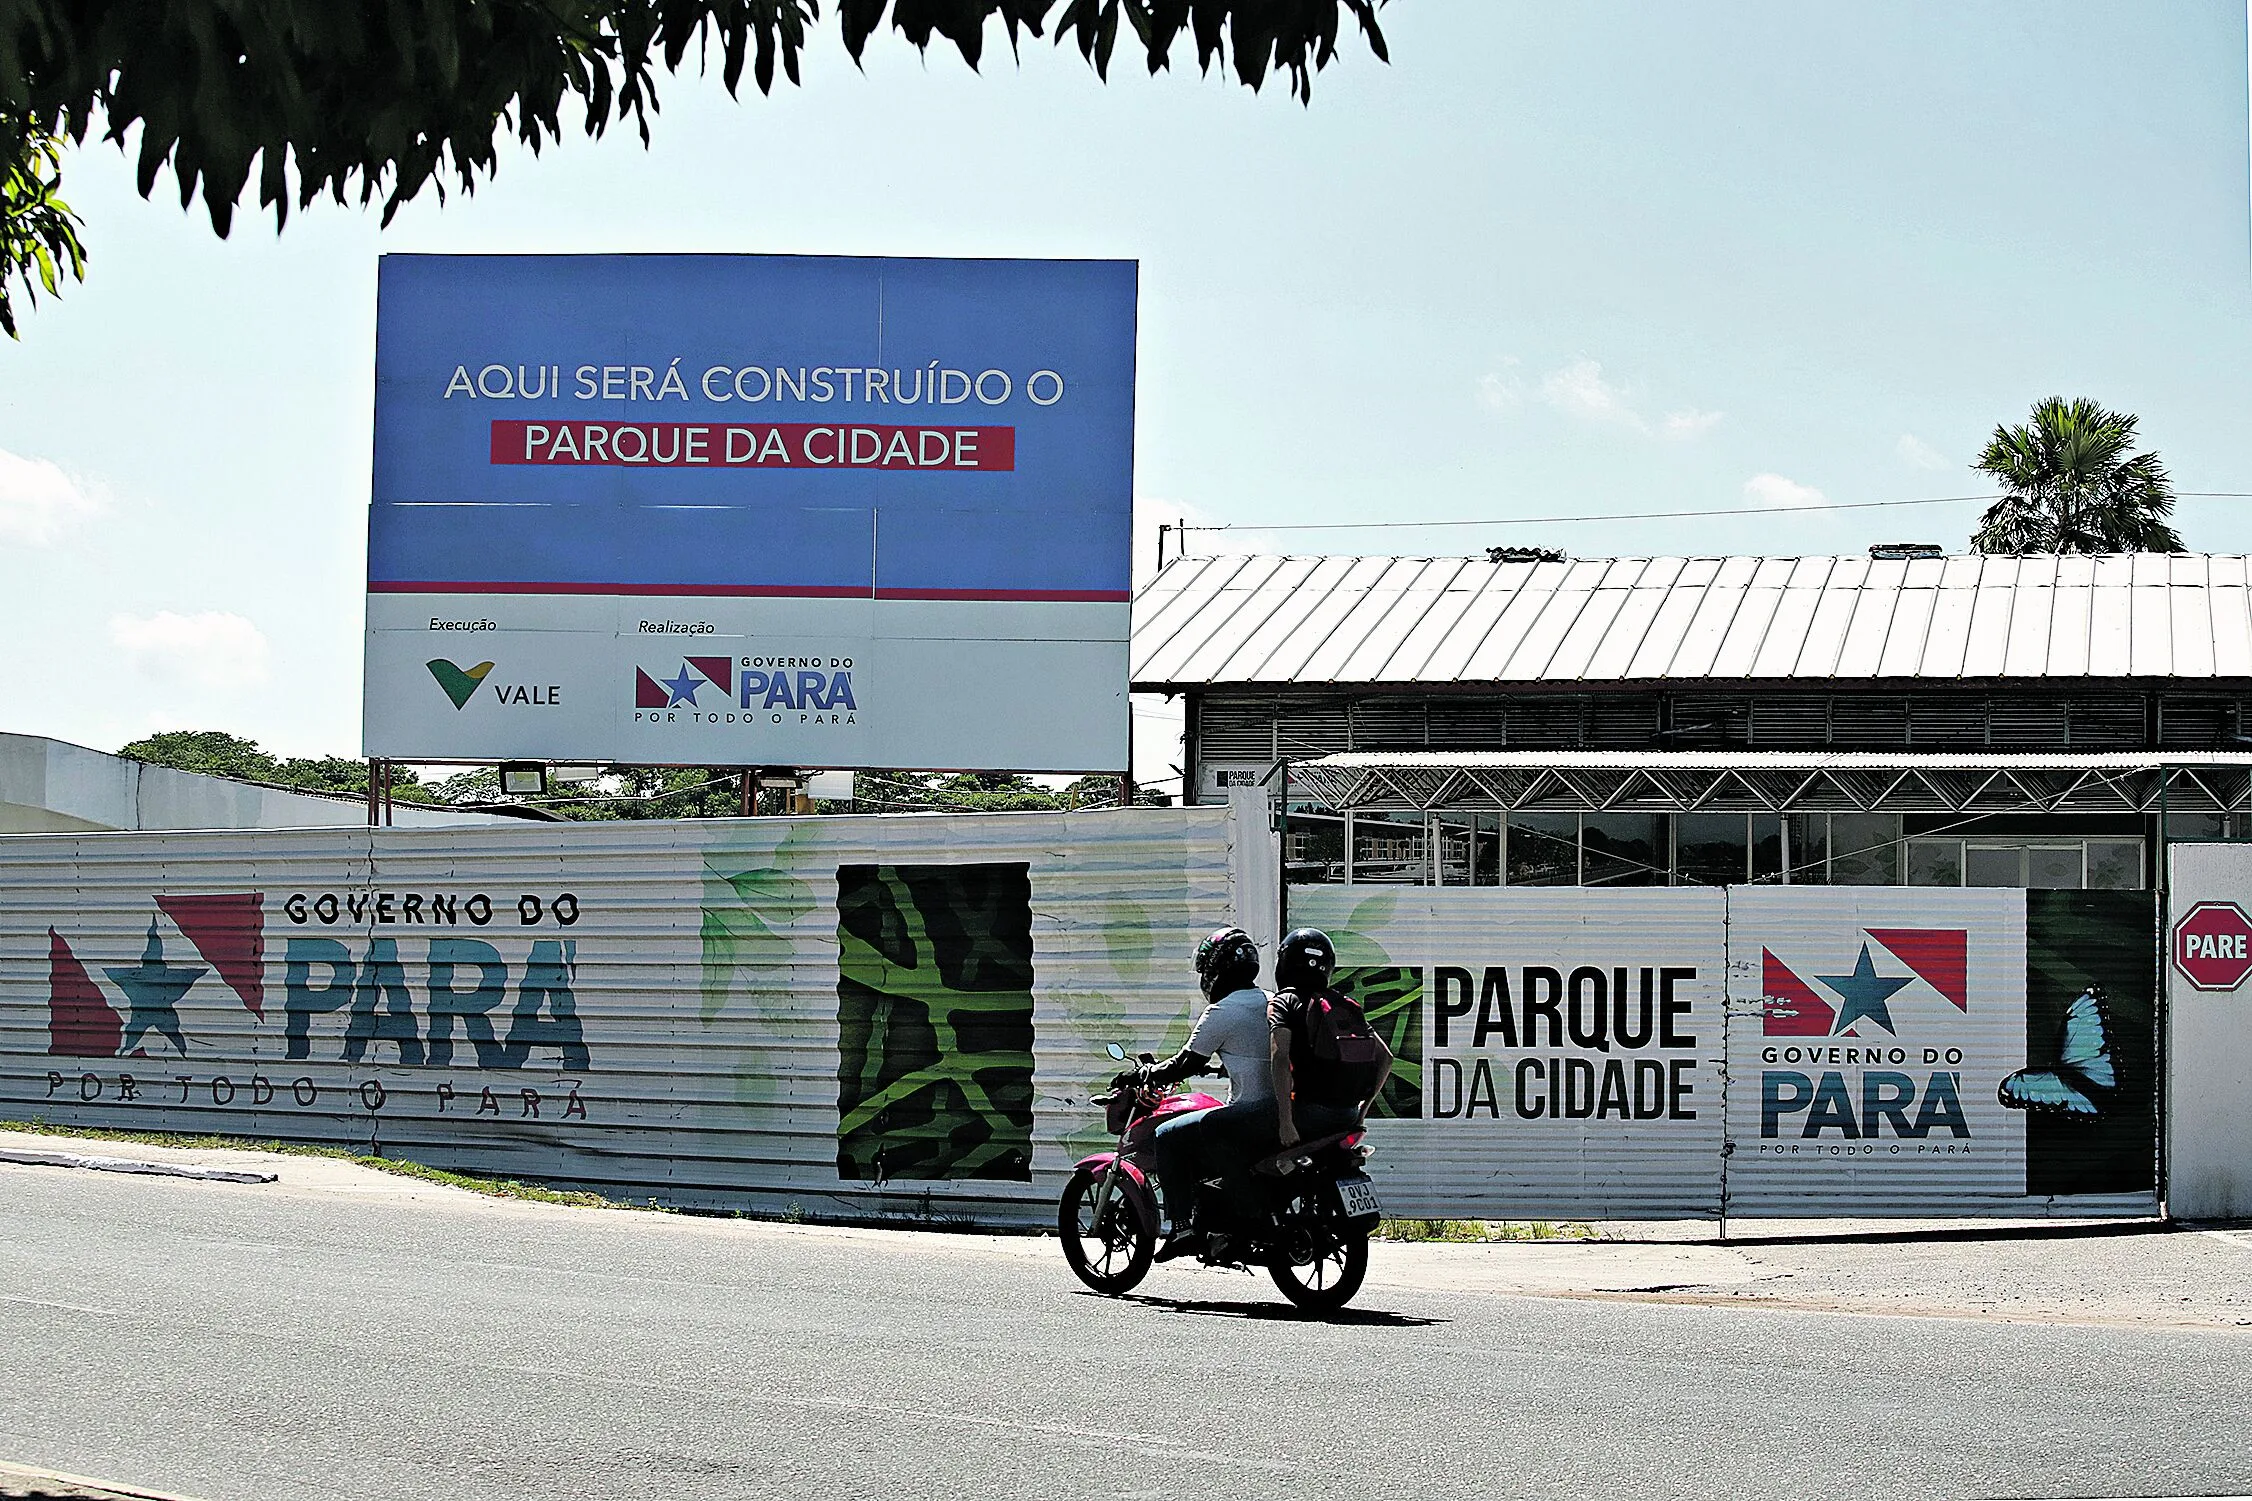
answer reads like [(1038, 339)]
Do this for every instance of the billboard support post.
[(379, 792), (1282, 843), (1126, 777)]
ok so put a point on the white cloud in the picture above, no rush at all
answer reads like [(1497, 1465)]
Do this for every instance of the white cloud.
[(1917, 454), (1501, 390), (1500, 393), (1580, 390), (39, 501), (211, 649), (1781, 493)]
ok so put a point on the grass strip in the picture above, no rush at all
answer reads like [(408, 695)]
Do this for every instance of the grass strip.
[(1482, 1232), (496, 1188)]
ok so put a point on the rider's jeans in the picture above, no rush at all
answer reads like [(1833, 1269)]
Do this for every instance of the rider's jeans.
[(1175, 1148)]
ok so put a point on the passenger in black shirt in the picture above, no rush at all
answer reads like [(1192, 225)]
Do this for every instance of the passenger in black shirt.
[(1329, 1065)]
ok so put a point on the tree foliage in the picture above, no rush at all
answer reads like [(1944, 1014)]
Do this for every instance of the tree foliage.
[(217, 753), (985, 792), (636, 792), (382, 100), (623, 792), (2072, 483), (39, 244)]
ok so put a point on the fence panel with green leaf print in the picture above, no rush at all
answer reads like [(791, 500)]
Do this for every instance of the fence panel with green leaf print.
[(934, 1022)]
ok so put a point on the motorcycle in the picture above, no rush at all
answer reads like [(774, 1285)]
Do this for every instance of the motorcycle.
[(1305, 1215)]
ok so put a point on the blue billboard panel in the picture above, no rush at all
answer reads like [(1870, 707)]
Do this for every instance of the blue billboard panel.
[(565, 441)]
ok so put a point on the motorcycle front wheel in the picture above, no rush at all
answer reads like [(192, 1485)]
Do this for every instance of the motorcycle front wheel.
[(1323, 1280), (1110, 1256)]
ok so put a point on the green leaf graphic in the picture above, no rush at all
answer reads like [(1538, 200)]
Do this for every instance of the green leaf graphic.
[(934, 1022), (459, 684)]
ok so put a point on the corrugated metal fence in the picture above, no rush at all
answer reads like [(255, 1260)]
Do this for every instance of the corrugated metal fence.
[(867, 1016), (904, 1016), (1758, 1050)]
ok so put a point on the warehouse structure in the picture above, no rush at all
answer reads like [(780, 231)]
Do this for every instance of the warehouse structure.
[(2045, 722)]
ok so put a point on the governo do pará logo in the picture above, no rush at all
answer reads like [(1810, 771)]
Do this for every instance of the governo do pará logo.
[(748, 690)]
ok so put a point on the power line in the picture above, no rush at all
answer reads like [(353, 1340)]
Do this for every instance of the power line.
[(1820, 510), (1357, 526)]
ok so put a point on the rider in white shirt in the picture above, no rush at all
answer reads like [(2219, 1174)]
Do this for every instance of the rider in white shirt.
[(1234, 1029)]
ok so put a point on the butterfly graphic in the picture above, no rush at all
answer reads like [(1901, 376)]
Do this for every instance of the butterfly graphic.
[(2082, 1081)]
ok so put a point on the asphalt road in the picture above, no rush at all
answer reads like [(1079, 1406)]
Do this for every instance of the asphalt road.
[(238, 1342)]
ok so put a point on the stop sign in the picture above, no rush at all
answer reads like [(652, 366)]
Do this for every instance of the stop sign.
[(2213, 946)]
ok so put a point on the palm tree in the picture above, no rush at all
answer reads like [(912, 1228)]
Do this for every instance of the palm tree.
[(2071, 483)]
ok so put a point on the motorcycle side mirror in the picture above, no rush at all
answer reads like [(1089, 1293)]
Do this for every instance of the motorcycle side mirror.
[(1115, 1052)]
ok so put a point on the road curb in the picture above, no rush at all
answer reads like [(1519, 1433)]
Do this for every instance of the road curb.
[(23, 1483), (134, 1165)]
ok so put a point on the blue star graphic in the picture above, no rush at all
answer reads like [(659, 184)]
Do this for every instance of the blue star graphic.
[(683, 687), (1864, 992), (154, 988)]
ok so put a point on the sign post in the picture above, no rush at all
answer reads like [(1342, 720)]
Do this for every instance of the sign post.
[(2209, 1032), (2213, 946)]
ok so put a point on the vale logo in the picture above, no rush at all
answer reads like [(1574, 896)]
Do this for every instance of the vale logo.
[(461, 685), (459, 682)]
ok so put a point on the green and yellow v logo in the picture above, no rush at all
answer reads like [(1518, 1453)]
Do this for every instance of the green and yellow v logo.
[(458, 684)]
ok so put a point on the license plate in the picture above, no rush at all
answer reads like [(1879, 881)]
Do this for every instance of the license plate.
[(1359, 1196)]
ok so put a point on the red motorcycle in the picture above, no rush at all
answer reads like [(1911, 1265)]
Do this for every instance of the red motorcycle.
[(1305, 1216)]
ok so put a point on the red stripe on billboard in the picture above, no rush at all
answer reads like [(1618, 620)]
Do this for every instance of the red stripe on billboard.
[(745, 591), (755, 445)]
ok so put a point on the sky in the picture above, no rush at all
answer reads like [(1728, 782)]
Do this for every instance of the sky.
[(1554, 260)]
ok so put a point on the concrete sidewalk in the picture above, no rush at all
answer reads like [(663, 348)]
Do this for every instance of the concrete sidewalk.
[(2137, 1273)]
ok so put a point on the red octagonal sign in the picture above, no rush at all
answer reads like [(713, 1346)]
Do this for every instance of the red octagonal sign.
[(2213, 946)]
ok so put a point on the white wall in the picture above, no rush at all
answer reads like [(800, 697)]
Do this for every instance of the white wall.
[(2208, 1053), (1255, 858), (52, 786)]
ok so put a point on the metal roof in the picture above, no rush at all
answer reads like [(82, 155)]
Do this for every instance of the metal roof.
[(1778, 781), (1287, 621), (1782, 760)]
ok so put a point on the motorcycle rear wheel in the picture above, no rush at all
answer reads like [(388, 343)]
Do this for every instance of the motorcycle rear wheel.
[(1110, 1257), (1327, 1281)]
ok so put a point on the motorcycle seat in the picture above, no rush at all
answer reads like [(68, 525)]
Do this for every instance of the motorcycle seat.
[(1293, 1157)]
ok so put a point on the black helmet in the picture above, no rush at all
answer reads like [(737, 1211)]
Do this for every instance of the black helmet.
[(1226, 961), (1304, 961)]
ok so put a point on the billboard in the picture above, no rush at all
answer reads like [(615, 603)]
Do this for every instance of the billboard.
[(751, 510)]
